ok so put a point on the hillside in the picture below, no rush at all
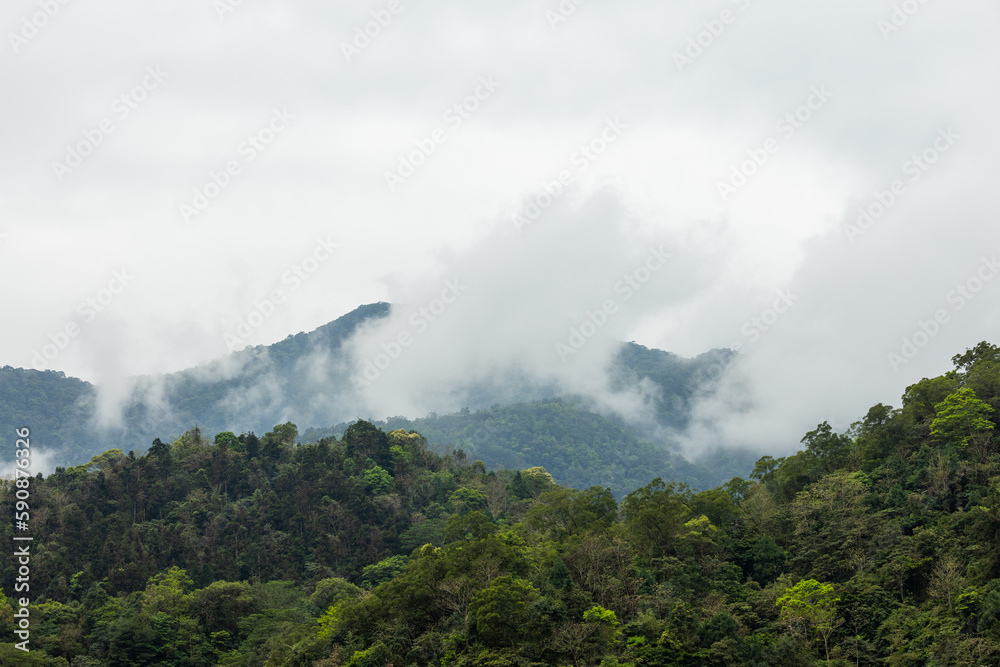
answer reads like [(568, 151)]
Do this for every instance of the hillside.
[(58, 407), (876, 547), (578, 448), (61, 409), (253, 389)]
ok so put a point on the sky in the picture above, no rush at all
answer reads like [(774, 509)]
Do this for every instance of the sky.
[(815, 183)]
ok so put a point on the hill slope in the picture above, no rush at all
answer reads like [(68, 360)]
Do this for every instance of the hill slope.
[(880, 547), (577, 447), (256, 388)]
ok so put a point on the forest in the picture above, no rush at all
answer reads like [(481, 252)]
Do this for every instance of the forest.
[(877, 546), (579, 448)]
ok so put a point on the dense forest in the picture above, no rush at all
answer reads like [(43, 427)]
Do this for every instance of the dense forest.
[(55, 405), (577, 447), (878, 546)]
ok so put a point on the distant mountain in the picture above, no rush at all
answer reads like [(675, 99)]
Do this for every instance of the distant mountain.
[(258, 387), (577, 447), (248, 388), (56, 407)]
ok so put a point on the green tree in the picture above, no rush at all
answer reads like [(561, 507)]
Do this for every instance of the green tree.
[(831, 449), (376, 656), (365, 440), (607, 629), (537, 479), (384, 570), (465, 500), (979, 369), (960, 417), (378, 480), (983, 352), (654, 516), (221, 605), (698, 534), (251, 443), (810, 605), (768, 559), (279, 442), (499, 613), (518, 488), (472, 526), (168, 592), (330, 591), (228, 439), (588, 642), (563, 512), (920, 399)]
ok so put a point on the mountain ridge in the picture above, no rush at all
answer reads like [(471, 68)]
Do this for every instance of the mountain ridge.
[(257, 387)]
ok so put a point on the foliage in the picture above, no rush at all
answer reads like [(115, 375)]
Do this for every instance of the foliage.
[(276, 383), (879, 546), (960, 417), (810, 605)]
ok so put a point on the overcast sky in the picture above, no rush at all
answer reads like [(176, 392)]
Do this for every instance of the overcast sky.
[(181, 164)]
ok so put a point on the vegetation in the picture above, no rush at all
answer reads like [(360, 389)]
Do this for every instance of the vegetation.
[(577, 447), (880, 546), (253, 388), (55, 406)]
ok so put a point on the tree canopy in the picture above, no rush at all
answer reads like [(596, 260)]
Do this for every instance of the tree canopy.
[(878, 546)]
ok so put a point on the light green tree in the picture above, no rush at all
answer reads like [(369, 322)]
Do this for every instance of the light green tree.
[(606, 626), (588, 642), (378, 480), (699, 535), (384, 570), (811, 606), (961, 416)]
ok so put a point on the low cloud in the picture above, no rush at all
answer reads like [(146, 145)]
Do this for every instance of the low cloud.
[(541, 310)]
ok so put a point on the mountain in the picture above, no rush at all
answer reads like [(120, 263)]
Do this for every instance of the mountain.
[(577, 447), (56, 407), (876, 547), (305, 380)]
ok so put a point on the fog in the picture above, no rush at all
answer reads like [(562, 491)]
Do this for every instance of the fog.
[(169, 171)]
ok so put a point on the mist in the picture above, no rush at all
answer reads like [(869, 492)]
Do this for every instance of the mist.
[(529, 310), (807, 151)]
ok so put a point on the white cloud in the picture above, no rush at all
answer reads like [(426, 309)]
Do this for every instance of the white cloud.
[(325, 175)]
